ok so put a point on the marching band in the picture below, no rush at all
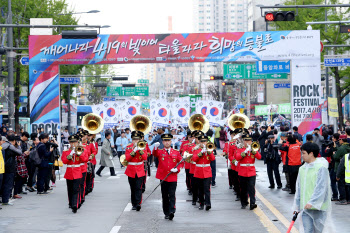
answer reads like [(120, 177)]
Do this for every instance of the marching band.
[(195, 155)]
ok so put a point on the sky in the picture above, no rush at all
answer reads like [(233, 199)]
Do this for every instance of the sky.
[(135, 17)]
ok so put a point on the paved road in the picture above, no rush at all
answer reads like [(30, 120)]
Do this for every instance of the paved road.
[(108, 209)]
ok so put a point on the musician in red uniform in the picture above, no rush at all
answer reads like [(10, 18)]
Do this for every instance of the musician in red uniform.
[(234, 164), (225, 153), (168, 159), (83, 164), (73, 172), (91, 163), (194, 181), (246, 172), (184, 147), (203, 173), (135, 170), (146, 164)]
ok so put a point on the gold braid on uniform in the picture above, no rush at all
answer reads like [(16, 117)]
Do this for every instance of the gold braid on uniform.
[(132, 154), (200, 154), (141, 152), (243, 154)]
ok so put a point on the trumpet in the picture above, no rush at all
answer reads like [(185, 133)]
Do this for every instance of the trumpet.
[(79, 150), (255, 147), (210, 146), (141, 144)]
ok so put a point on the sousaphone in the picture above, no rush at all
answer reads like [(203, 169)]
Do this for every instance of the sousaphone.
[(198, 122), (92, 123)]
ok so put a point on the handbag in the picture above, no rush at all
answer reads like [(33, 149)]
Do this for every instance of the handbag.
[(58, 163)]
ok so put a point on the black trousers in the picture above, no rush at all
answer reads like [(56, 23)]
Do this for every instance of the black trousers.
[(7, 185), (19, 181), (344, 190), (236, 183), (90, 179), (82, 186), (149, 159), (188, 179), (111, 169), (230, 177), (247, 187), (194, 185), (293, 175), (272, 167), (204, 191), (120, 153), (168, 197), (31, 172), (73, 188), (48, 177), (156, 161), (136, 190), (42, 175)]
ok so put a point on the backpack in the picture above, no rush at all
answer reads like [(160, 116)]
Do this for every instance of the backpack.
[(34, 157)]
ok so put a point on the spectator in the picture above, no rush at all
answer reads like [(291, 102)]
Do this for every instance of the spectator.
[(128, 134), (2, 163), (347, 131), (317, 138), (9, 152), (330, 150), (4, 132), (65, 136), (106, 156), (297, 134), (222, 138), (217, 136), (43, 169), (256, 134), (293, 161), (121, 144), (21, 171), (343, 173), (342, 150), (309, 138), (272, 160), (31, 167), (262, 139)]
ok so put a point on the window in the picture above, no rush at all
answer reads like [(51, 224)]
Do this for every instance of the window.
[(208, 17), (201, 11), (201, 30), (208, 30), (233, 23), (232, 11), (208, 23), (208, 11)]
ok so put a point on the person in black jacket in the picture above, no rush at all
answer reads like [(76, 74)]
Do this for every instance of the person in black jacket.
[(9, 152), (255, 135), (273, 159), (43, 169), (262, 139)]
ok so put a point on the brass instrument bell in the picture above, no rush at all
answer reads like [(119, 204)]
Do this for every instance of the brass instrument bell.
[(92, 123), (141, 145), (187, 156), (238, 120), (198, 122), (255, 147), (210, 146), (123, 161), (141, 123)]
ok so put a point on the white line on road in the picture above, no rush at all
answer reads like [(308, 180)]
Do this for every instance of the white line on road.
[(222, 170), (115, 229), (113, 177), (218, 174), (128, 207)]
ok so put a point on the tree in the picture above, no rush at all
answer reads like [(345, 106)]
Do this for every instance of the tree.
[(332, 36), (22, 11)]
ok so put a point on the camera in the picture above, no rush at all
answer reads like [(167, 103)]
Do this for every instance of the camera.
[(328, 143)]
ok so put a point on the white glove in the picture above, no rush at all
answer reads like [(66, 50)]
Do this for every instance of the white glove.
[(204, 150), (72, 152), (247, 149), (156, 145), (174, 170), (136, 149), (236, 163)]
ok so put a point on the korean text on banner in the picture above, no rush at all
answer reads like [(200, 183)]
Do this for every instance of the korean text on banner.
[(333, 107)]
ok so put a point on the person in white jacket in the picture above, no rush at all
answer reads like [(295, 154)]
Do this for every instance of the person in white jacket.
[(313, 192)]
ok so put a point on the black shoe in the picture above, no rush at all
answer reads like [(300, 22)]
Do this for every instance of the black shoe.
[(79, 206), (113, 175), (208, 207), (271, 187), (74, 209), (201, 207), (98, 174), (24, 192), (171, 216), (238, 199), (166, 217), (253, 206), (133, 208), (30, 189), (292, 193), (342, 202), (286, 189), (230, 187), (189, 193), (243, 207), (82, 201), (138, 208), (194, 203), (213, 185), (279, 187), (335, 199)]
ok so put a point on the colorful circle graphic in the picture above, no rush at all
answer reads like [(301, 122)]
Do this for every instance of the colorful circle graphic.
[(110, 112), (132, 110), (162, 112), (214, 111), (204, 110), (182, 112), (101, 114)]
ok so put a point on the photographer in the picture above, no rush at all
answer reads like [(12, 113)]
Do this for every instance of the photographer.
[(43, 169), (272, 161), (317, 138), (54, 155)]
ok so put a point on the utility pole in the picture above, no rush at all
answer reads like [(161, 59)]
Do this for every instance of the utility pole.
[(10, 56), (68, 104)]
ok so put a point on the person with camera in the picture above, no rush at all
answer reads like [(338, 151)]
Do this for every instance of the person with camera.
[(342, 150), (330, 150), (317, 138), (21, 169), (44, 168), (272, 161)]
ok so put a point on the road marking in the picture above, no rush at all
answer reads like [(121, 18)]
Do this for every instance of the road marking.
[(266, 221), (115, 229), (222, 170), (280, 217), (128, 207), (113, 177), (218, 174)]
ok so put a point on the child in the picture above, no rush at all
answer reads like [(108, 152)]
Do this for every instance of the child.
[(313, 195)]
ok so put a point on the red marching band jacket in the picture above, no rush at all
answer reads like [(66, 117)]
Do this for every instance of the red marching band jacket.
[(73, 170), (136, 165), (232, 148), (83, 161), (94, 151), (182, 151), (191, 149), (203, 169), (225, 150), (166, 163), (246, 168)]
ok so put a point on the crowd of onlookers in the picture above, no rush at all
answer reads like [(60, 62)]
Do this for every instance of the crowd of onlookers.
[(27, 164)]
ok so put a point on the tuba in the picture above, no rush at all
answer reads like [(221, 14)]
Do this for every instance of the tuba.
[(92, 123), (198, 122), (123, 161), (238, 121), (141, 123)]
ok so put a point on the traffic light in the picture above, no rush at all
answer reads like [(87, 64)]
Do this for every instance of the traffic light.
[(344, 28), (100, 85), (279, 16), (119, 78), (216, 77), (228, 83), (128, 85)]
